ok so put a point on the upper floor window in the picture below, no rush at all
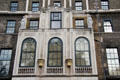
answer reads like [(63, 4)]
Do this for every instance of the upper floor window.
[(107, 26), (104, 4), (5, 59), (113, 61), (34, 24), (82, 52), (10, 26), (14, 6), (35, 6), (56, 20), (28, 51), (57, 4), (79, 23), (55, 53), (78, 5)]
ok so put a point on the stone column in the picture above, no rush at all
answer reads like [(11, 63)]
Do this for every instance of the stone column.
[(27, 4), (64, 3), (87, 5)]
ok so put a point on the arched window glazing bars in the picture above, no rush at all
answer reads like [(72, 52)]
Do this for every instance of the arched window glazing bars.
[(55, 53), (82, 52), (28, 51)]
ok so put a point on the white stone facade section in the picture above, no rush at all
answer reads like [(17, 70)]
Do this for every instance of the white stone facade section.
[(55, 78), (67, 36)]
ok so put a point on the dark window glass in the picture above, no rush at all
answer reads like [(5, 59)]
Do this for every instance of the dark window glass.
[(34, 24), (55, 53), (10, 26), (113, 61), (104, 4), (14, 6), (56, 20), (107, 26), (28, 53), (78, 5), (79, 23), (82, 52), (35, 6), (57, 4), (5, 58)]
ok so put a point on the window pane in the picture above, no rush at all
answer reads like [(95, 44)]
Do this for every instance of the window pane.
[(56, 20), (79, 23), (78, 5), (113, 61), (10, 26), (55, 24), (104, 5), (82, 52), (35, 6), (57, 4), (5, 58), (55, 53), (28, 52), (107, 26), (14, 6), (34, 24)]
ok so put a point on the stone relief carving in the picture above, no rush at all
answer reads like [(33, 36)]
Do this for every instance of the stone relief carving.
[(23, 22), (90, 22)]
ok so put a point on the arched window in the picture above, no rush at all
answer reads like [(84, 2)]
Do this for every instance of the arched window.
[(55, 52), (82, 52), (28, 53)]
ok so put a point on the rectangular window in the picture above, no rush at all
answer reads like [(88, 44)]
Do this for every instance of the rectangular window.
[(5, 58), (57, 4), (35, 6), (107, 26), (14, 6), (34, 24), (10, 26), (113, 61), (56, 20), (104, 4), (79, 23), (78, 5)]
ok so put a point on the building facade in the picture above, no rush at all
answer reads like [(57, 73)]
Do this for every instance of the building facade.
[(59, 39)]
